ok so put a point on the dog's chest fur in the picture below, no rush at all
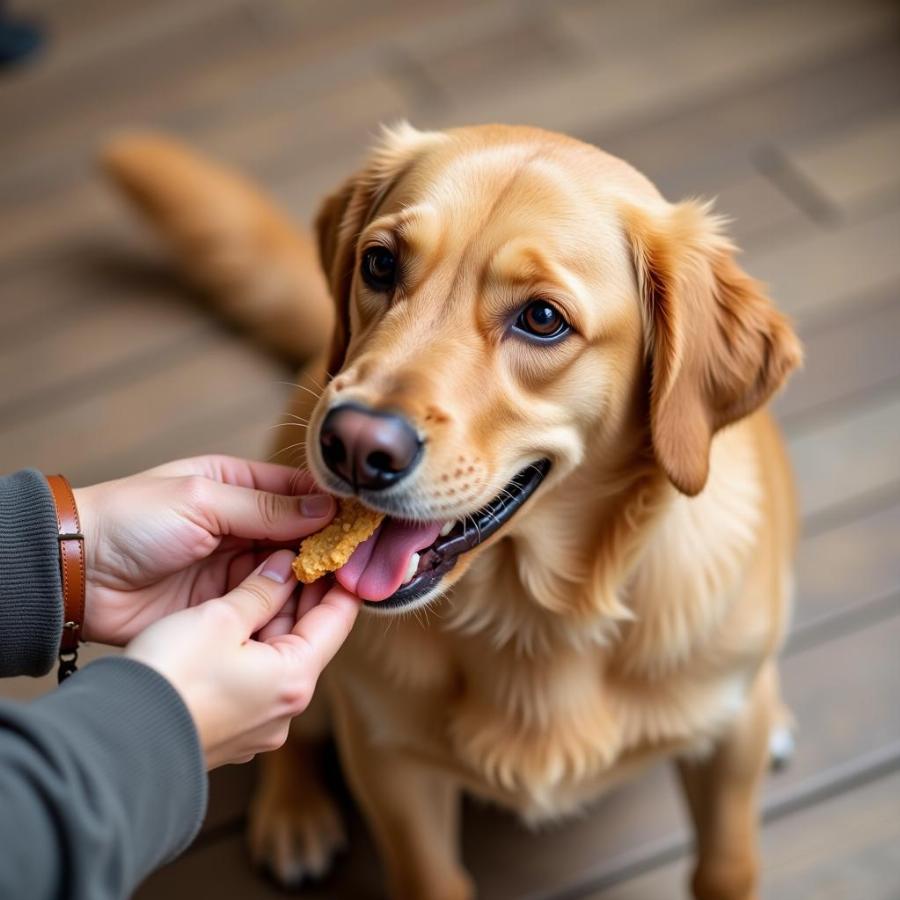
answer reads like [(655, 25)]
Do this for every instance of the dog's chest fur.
[(541, 710)]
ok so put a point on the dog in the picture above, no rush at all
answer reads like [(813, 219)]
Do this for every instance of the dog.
[(552, 381)]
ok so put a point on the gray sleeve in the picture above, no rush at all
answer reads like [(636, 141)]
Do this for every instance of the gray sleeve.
[(30, 590), (101, 781)]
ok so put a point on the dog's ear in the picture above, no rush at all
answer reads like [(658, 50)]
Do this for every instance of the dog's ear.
[(717, 348), (343, 215), (336, 257)]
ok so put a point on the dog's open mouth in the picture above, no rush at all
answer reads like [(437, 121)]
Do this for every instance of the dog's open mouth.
[(403, 561)]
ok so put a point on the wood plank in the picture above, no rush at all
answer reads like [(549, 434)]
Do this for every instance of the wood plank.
[(847, 847), (30, 297), (158, 50), (857, 165), (239, 425), (85, 32), (285, 59), (496, 59), (718, 52), (193, 113), (702, 139), (57, 197), (106, 338), (55, 282), (197, 377), (223, 866), (754, 207), (266, 138), (601, 26), (821, 273), (288, 155), (847, 566), (43, 225), (855, 455), (77, 22), (845, 361)]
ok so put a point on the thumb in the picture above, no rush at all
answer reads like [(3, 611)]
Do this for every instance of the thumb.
[(262, 594), (244, 512)]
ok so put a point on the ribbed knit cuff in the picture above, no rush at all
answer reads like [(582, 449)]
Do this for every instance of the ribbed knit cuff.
[(131, 722), (31, 611)]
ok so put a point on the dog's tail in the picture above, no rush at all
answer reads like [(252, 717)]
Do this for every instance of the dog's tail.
[(258, 269)]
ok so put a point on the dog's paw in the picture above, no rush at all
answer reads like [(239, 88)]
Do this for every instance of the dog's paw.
[(295, 840), (781, 747)]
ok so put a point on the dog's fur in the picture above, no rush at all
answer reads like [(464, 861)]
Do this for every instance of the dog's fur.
[(633, 608)]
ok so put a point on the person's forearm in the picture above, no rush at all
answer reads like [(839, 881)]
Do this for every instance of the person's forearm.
[(102, 781), (30, 590)]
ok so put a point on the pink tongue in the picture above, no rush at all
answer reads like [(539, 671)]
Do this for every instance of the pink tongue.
[(378, 565)]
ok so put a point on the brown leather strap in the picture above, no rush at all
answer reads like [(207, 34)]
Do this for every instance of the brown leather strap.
[(71, 562)]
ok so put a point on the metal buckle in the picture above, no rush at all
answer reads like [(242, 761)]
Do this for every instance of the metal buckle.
[(68, 662)]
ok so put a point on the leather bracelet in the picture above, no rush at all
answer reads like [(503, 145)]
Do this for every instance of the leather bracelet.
[(72, 572)]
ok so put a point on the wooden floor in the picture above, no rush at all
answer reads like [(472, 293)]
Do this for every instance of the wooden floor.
[(788, 112)]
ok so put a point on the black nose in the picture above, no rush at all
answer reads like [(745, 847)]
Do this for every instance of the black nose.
[(368, 448)]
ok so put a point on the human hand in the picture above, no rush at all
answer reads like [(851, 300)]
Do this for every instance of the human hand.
[(184, 532), (241, 692)]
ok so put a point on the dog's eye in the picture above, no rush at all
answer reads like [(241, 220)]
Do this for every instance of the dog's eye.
[(542, 320), (379, 268)]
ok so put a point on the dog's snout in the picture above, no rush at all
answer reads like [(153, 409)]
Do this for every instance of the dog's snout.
[(368, 448)]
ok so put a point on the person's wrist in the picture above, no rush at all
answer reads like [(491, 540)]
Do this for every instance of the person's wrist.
[(84, 498)]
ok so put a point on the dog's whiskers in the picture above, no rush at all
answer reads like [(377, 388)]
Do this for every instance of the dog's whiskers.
[(316, 384), (278, 453), (301, 387), (298, 471)]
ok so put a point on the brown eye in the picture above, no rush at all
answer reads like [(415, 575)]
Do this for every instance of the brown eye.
[(379, 268), (543, 320)]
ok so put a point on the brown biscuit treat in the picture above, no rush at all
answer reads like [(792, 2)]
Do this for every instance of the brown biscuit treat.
[(327, 550)]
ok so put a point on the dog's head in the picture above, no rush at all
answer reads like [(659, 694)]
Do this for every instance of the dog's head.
[(514, 305)]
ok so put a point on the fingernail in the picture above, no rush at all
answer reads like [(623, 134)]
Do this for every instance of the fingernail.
[(316, 505), (278, 566)]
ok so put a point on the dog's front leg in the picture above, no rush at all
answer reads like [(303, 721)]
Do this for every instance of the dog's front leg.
[(412, 810), (295, 824), (722, 796)]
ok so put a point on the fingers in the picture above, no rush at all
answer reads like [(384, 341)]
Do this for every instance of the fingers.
[(262, 476), (241, 567), (283, 622), (319, 634), (311, 596), (258, 599), (259, 515)]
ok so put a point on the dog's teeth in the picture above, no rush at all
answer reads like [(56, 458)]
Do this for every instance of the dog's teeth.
[(448, 527), (411, 568)]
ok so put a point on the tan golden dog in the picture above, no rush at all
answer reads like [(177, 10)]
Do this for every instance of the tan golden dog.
[(570, 370)]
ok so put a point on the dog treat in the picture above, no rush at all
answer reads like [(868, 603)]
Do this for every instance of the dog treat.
[(327, 550)]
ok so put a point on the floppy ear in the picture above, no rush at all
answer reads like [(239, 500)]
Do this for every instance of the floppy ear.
[(343, 215), (336, 258), (717, 347)]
